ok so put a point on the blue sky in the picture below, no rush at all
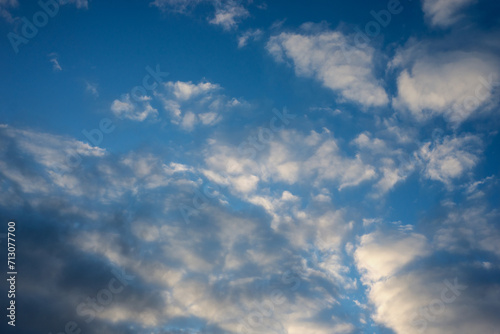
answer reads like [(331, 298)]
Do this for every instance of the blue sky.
[(226, 166)]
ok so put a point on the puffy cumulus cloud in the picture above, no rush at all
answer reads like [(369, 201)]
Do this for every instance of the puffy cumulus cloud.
[(213, 273), (187, 104), (122, 212), (333, 59), (451, 158), (439, 301), (289, 157), (380, 255), (444, 13), (453, 84), (429, 285), (139, 111), (228, 13), (191, 104)]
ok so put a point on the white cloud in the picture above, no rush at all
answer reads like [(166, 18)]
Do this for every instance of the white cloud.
[(249, 35), (444, 13), (374, 145), (411, 294), (135, 111), (228, 14), (190, 104), (380, 255), (186, 90), (437, 301), (450, 159), (51, 151), (333, 59), (320, 161), (452, 84)]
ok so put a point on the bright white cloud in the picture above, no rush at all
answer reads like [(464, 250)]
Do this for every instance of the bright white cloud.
[(454, 84), (333, 59), (320, 161), (381, 255)]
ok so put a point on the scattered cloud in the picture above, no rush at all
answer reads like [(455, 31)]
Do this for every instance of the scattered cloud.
[(451, 158), (92, 88), (186, 104), (444, 13), (452, 84), (136, 111), (248, 35), (227, 13), (380, 255), (412, 293), (333, 59), (55, 62)]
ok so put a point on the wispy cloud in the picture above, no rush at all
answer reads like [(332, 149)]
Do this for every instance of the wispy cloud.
[(227, 13), (92, 88), (54, 59), (444, 13)]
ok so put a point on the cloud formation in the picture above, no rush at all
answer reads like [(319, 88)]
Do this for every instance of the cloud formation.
[(444, 13), (334, 60)]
